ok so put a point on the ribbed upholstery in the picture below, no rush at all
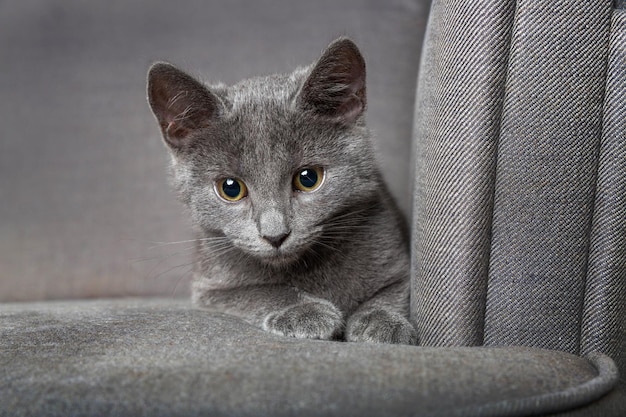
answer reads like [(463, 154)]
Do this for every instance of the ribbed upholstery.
[(604, 318), (546, 174), (519, 228), (460, 89)]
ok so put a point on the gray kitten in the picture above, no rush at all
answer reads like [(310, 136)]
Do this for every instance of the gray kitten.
[(298, 234)]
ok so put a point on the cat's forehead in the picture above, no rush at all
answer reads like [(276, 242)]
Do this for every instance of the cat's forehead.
[(262, 110), (277, 90), (264, 133)]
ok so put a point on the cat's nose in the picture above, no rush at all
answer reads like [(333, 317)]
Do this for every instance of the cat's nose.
[(277, 240), (273, 227)]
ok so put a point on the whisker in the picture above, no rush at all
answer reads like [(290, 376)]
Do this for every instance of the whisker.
[(187, 272), (161, 261), (218, 249), (205, 239), (349, 222), (161, 257), (354, 212), (189, 264), (315, 253), (321, 243), (211, 246), (344, 230)]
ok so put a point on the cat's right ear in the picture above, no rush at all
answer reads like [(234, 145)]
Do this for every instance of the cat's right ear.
[(181, 104), (335, 88)]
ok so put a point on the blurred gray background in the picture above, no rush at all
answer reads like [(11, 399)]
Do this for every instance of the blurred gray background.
[(84, 200)]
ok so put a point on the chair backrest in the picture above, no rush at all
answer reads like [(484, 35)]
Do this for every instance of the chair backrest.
[(85, 208), (519, 227)]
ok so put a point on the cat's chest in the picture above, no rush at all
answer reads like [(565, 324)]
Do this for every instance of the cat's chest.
[(347, 277), (343, 283)]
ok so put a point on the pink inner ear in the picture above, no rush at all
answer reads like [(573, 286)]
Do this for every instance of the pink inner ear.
[(351, 108), (180, 103), (176, 131), (336, 86)]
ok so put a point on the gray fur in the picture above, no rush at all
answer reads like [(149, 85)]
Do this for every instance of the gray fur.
[(328, 264)]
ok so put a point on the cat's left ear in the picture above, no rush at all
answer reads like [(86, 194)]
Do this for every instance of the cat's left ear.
[(335, 87), (181, 104)]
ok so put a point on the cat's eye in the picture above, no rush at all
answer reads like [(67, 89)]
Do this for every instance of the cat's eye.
[(231, 189), (308, 179)]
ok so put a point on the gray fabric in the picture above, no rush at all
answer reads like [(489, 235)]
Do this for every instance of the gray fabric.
[(460, 90), (560, 162), (612, 404), (160, 357), (546, 173), (82, 165), (544, 185), (604, 319)]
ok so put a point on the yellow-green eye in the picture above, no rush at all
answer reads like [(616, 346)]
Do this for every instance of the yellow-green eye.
[(231, 189), (308, 179)]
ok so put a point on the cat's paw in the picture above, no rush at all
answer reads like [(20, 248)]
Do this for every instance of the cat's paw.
[(310, 320), (380, 326)]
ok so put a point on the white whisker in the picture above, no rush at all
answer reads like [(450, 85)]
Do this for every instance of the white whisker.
[(205, 239)]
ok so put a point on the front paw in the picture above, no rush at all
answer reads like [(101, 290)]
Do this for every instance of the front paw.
[(380, 326), (310, 320)]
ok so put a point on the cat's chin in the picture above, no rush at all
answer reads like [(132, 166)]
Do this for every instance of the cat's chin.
[(278, 259)]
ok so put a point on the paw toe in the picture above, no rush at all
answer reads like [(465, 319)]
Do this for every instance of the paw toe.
[(312, 320), (380, 326)]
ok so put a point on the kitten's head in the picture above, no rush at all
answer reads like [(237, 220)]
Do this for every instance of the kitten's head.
[(274, 165)]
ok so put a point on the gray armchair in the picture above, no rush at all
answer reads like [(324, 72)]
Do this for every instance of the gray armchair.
[(519, 258)]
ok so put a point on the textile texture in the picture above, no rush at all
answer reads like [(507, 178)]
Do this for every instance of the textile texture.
[(546, 173), (162, 357), (604, 318), (458, 110), (519, 200)]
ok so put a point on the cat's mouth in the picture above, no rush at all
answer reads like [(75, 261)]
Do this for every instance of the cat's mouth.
[(281, 256), (291, 250), (284, 255)]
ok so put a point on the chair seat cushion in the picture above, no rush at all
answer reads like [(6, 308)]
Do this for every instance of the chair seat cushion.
[(162, 357)]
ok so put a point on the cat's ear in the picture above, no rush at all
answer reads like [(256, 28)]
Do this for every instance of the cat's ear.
[(181, 104), (335, 87)]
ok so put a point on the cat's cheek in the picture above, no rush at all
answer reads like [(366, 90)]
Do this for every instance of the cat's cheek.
[(213, 214), (312, 204)]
